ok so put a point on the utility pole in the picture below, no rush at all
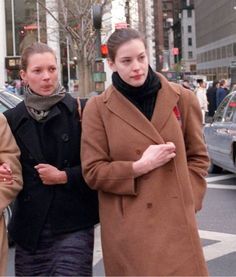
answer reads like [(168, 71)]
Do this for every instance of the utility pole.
[(127, 12), (99, 76), (53, 30)]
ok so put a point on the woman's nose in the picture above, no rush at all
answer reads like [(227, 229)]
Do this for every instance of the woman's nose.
[(136, 65), (46, 75)]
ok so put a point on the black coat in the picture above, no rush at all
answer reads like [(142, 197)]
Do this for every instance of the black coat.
[(56, 141), (211, 98)]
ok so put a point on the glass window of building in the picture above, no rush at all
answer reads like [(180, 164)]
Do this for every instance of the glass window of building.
[(190, 43), (234, 49), (189, 29), (189, 13), (24, 22), (229, 50), (190, 54)]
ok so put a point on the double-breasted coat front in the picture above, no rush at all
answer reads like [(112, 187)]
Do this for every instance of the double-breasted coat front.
[(9, 153), (148, 224), (56, 141)]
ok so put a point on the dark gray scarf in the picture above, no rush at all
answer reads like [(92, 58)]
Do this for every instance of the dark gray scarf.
[(39, 106)]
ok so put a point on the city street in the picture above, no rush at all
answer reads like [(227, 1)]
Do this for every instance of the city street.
[(217, 227)]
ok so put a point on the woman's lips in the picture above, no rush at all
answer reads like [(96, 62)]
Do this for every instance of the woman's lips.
[(137, 77)]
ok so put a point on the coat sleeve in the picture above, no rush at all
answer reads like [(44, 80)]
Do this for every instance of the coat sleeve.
[(197, 157), (100, 172), (9, 153)]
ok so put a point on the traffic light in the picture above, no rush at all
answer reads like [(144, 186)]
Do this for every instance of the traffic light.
[(97, 16), (104, 51)]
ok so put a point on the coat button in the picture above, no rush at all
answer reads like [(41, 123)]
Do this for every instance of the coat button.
[(138, 152), (65, 137), (27, 198), (66, 163)]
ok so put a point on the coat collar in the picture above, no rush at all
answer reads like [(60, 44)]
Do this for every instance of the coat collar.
[(22, 114), (166, 100), (26, 129)]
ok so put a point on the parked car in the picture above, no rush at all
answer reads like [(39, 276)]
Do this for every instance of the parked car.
[(8, 101), (220, 136)]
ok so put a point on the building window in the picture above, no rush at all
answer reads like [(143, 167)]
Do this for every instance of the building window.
[(190, 54), (190, 43), (224, 52), (218, 53), (234, 49), (189, 29), (189, 13), (229, 50)]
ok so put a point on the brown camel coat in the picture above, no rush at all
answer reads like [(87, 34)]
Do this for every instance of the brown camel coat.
[(148, 224), (9, 153)]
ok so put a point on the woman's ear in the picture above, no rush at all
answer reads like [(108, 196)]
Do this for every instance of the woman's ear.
[(23, 75), (111, 64)]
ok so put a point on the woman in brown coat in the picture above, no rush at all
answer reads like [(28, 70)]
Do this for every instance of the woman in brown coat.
[(10, 182), (142, 149)]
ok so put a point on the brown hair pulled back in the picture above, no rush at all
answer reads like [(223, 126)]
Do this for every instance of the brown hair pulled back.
[(35, 48), (119, 37)]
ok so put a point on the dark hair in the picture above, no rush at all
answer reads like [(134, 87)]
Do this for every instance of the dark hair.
[(215, 83), (35, 48), (119, 37), (222, 82), (200, 81)]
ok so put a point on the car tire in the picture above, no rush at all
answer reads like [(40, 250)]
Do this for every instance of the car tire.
[(214, 168)]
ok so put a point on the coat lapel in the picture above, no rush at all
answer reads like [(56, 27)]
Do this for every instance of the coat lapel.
[(28, 134), (124, 109), (167, 99)]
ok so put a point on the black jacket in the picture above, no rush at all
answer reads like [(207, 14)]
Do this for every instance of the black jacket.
[(211, 98), (56, 141)]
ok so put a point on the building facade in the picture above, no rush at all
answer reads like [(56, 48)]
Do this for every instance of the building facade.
[(215, 37), (188, 38), (22, 23)]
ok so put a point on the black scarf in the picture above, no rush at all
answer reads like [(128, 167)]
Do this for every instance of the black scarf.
[(143, 97)]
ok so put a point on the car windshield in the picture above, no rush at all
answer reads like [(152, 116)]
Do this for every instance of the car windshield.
[(226, 110), (9, 97)]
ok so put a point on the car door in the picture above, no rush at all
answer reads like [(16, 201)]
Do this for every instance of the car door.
[(219, 137), (230, 116)]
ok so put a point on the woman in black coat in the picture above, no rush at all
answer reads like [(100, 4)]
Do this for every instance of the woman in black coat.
[(54, 215)]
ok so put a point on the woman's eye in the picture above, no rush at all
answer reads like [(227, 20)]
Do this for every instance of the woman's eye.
[(37, 71), (52, 69)]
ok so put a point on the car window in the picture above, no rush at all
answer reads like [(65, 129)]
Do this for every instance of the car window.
[(2, 108), (231, 110), (219, 115), (12, 98)]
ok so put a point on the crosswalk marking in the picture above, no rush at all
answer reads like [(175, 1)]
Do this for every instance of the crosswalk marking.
[(97, 253), (226, 244), (221, 177), (221, 186)]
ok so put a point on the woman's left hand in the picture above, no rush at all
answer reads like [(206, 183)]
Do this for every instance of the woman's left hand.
[(6, 174), (50, 175)]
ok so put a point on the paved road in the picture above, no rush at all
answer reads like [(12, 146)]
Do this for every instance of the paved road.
[(217, 224), (217, 228)]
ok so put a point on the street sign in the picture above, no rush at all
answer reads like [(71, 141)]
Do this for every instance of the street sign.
[(12, 62), (121, 25), (233, 64), (175, 51)]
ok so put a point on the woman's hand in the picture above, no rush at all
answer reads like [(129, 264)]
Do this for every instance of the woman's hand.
[(154, 156), (6, 174), (50, 175)]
